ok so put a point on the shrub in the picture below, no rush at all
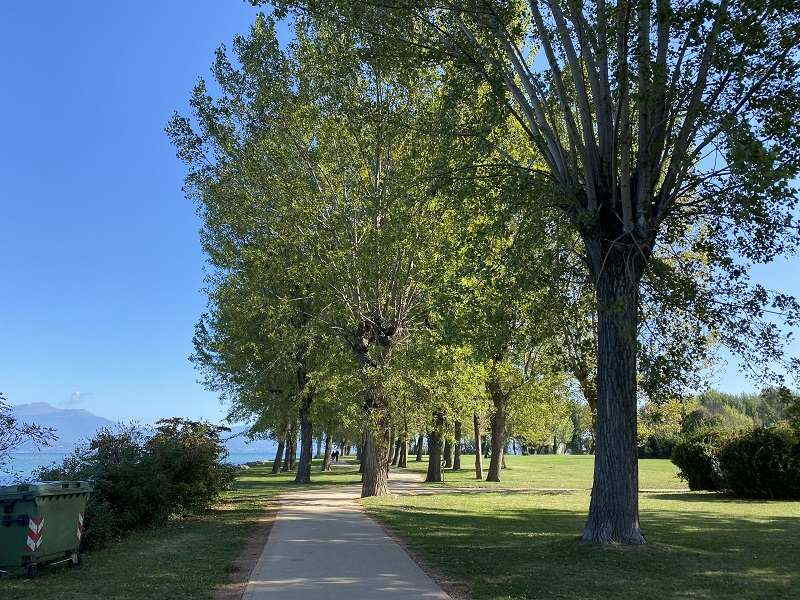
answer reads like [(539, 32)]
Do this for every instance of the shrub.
[(762, 463), (696, 457), (658, 446), (141, 478), (190, 452)]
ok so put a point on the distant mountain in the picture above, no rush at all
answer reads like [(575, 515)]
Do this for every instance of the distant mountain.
[(72, 425)]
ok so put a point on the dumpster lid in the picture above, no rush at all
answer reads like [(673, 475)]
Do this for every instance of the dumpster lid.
[(46, 488)]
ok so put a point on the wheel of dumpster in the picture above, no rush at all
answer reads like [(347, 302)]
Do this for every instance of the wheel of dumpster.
[(31, 571)]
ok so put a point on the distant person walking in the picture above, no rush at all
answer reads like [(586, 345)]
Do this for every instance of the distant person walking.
[(335, 456)]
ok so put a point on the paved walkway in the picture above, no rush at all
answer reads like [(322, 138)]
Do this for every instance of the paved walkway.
[(323, 547)]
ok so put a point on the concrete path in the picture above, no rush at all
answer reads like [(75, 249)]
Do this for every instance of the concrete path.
[(323, 547)]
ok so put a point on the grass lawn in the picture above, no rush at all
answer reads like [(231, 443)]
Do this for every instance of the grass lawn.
[(550, 471), (524, 545), (187, 558)]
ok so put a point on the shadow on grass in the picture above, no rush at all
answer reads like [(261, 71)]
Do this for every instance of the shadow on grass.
[(711, 497), (534, 553)]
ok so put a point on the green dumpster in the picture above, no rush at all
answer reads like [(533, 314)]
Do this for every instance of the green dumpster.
[(42, 524)]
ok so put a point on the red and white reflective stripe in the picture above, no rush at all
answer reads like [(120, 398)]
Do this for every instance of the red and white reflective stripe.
[(35, 533), (80, 526)]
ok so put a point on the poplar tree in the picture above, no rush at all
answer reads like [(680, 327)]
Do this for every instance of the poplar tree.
[(658, 123)]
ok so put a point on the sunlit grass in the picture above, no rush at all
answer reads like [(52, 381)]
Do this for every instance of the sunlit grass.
[(551, 471), (524, 544)]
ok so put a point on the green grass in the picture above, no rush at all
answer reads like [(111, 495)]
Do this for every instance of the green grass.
[(549, 471), (509, 545), (524, 545), (186, 559)]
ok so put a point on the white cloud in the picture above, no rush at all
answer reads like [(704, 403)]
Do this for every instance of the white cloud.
[(76, 398)]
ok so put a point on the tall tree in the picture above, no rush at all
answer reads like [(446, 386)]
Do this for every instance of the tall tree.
[(653, 118)]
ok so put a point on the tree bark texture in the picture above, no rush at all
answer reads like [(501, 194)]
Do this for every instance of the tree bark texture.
[(498, 424), (448, 453), (435, 447), (306, 442), (420, 444), (402, 461), (614, 506), (376, 461), (392, 447), (293, 448), (434, 474), (326, 460), (361, 455), (457, 447), (396, 453), (476, 425), (287, 451), (276, 464)]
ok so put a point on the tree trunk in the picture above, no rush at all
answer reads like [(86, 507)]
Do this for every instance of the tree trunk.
[(276, 464), (614, 507), (434, 455), (326, 458), (318, 453), (420, 443), (361, 455), (392, 448), (402, 462), (498, 432), (375, 463), (457, 447), (306, 442), (476, 425), (293, 448), (448, 453), (486, 447), (287, 451)]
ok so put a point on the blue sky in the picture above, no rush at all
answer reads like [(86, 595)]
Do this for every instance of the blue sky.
[(99, 254)]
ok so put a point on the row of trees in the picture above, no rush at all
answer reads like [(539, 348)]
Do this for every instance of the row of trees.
[(423, 214)]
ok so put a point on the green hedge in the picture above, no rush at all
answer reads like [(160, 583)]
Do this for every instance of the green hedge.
[(759, 463), (763, 463), (696, 457)]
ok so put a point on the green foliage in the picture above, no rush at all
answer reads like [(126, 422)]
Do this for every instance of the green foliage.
[(142, 478), (746, 410), (762, 463), (793, 415), (190, 453), (658, 445), (660, 426), (697, 458)]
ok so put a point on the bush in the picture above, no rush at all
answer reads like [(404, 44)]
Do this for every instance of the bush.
[(189, 452), (658, 446), (696, 457), (141, 478), (762, 463)]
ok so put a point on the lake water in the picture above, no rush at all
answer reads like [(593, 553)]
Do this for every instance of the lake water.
[(21, 465)]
